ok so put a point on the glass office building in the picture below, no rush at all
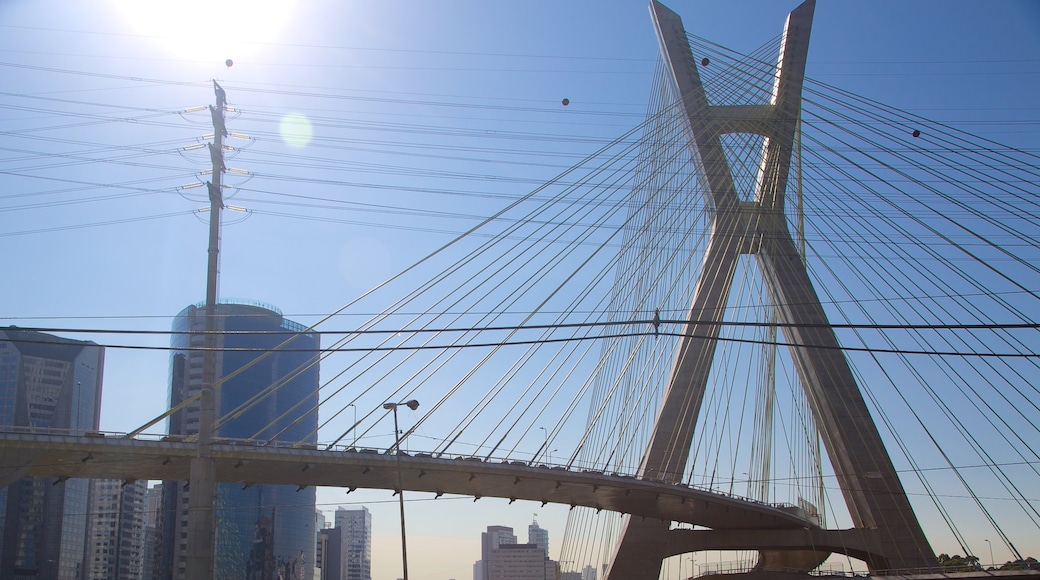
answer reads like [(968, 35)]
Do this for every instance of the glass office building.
[(53, 384), (263, 531)]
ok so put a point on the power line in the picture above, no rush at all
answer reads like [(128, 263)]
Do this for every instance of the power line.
[(571, 339)]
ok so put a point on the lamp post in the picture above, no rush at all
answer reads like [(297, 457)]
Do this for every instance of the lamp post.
[(354, 428), (992, 564), (413, 405)]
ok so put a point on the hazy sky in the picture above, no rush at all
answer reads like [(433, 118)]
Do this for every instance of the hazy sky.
[(377, 131)]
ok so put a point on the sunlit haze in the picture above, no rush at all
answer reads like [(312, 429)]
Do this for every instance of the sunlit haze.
[(207, 29)]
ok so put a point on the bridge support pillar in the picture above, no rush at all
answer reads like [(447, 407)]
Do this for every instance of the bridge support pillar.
[(639, 556), (872, 490), (202, 496)]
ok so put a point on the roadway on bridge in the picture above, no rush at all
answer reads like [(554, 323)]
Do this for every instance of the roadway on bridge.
[(250, 463)]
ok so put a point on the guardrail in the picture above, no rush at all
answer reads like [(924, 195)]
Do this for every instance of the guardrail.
[(966, 569)]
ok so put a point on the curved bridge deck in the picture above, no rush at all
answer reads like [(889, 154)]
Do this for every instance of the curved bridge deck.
[(248, 463)]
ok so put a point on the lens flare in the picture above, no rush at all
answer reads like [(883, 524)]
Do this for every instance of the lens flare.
[(296, 130)]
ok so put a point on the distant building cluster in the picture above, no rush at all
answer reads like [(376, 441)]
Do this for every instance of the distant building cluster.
[(344, 552), (79, 529), (502, 558)]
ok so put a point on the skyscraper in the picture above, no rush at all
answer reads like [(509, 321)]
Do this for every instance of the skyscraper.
[(117, 532), (329, 546), (538, 536), (502, 558), (262, 531), (47, 382), (519, 562), (320, 540), (491, 540), (152, 520), (355, 528)]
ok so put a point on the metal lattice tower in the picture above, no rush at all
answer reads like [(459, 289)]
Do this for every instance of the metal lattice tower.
[(876, 500)]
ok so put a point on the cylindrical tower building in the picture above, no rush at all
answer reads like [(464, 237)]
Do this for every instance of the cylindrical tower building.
[(263, 531)]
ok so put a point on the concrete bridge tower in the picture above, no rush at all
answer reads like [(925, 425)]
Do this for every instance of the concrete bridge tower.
[(874, 495)]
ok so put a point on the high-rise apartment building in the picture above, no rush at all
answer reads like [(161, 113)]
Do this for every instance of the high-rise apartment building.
[(320, 524), (504, 559), (328, 558), (491, 540), (355, 528), (263, 532), (116, 533), (538, 536), (47, 382), (587, 573), (152, 517), (520, 562)]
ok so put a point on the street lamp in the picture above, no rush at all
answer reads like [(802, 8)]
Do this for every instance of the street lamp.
[(413, 405), (992, 564), (354, 428)]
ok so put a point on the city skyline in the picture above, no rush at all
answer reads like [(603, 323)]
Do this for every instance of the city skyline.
[(350, 79)]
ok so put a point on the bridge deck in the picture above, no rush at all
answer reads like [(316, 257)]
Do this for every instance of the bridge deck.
[(68, 456)]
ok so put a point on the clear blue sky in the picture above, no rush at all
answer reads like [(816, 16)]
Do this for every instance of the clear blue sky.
[(424, 117)]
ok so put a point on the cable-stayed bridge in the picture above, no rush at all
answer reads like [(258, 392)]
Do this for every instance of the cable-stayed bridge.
[(771, 289)]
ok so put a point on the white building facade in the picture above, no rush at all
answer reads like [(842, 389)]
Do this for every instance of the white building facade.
[(355, 543)]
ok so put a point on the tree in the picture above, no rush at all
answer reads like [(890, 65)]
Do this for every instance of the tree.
[(1029, 563), (959, 563)]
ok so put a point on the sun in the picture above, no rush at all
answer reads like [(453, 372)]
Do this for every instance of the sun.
[(207, 29)]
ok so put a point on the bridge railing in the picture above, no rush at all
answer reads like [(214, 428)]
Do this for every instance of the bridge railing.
[(838, 571), (973, 570), (29, 430)]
